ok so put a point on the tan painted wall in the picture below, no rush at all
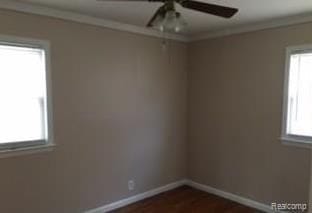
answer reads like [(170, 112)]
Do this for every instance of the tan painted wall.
[(124, 119), (236, 90), (119, 113)]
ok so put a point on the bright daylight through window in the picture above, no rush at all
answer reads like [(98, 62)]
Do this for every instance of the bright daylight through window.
[(298, 101), (23, 96)]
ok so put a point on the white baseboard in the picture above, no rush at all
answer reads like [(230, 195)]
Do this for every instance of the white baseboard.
[(230, 196), (209, 189), (138, 197)]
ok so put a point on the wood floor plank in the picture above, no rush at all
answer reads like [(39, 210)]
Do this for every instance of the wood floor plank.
[(185, 200)]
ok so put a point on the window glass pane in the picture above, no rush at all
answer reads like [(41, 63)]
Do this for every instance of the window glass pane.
[(300, 95), (22, 94)]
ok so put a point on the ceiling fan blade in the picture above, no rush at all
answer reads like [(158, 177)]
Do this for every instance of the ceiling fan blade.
[(217, 10), (159, 11)]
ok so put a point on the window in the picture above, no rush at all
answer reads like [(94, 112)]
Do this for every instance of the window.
[(297, 115), (25, 112)]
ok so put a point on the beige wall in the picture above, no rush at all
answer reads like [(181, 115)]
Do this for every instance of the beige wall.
[(235, 90), (119, 114)]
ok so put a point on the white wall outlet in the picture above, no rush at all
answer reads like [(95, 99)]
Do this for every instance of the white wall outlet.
[(131, 185)]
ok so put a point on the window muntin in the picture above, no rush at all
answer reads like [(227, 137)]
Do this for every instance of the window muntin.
[(23, 95)]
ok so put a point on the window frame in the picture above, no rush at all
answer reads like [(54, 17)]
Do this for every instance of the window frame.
[(33, 146), (291, 139)]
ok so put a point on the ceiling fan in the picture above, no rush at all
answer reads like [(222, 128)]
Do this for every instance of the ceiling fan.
[(166, 18)]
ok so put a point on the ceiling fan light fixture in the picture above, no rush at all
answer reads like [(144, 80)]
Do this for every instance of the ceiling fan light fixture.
[(181, 24), (172, 21), (158, 23)]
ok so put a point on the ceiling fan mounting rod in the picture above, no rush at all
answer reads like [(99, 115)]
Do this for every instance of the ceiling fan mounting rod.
[(169, 5)]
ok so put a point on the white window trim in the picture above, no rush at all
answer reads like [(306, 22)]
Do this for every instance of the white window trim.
[(289, 139), (41, 145)]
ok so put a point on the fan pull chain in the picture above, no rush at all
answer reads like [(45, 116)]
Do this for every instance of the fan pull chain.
[(164, 44)]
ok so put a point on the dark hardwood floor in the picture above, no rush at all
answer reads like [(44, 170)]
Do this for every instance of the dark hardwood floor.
[(185, 200)]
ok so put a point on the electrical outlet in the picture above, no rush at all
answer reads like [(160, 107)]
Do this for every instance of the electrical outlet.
[(131, 185)]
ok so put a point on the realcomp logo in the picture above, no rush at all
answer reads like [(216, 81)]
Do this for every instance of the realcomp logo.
[(289, 207)]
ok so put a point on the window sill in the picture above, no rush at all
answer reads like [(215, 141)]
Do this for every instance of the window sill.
[(301, 143), (26, 150)]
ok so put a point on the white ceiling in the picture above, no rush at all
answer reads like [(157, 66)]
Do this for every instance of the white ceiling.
[(138, 13)]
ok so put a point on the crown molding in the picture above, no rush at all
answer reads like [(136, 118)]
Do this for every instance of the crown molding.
[(85, 19), (270, 24)]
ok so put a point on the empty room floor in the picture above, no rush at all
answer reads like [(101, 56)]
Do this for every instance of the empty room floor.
[(185, 200)]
